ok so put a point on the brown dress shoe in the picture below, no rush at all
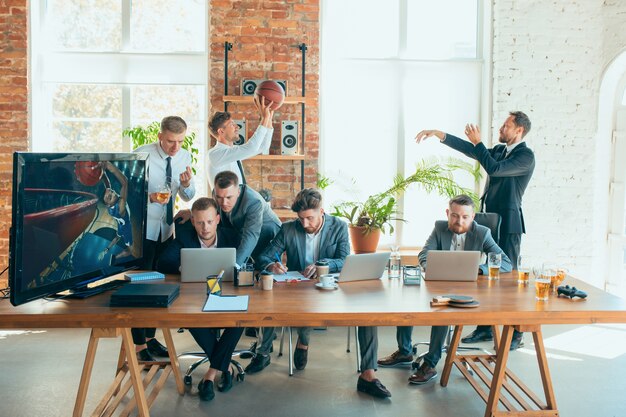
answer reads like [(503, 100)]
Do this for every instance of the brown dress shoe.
[(396, 358), (424, 374)]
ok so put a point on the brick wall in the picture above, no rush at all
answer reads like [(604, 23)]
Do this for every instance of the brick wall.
[(548, 60), (13, 107), (265, 37)]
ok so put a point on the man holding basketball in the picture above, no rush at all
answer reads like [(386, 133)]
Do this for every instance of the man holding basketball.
[(170, 169), (509, 167), (225, 156)]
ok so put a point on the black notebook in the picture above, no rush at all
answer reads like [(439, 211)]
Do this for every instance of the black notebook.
[(145, 295)]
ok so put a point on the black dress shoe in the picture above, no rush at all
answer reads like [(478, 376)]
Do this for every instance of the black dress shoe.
[(517, 342), (478, 336), (226, 383), (251, 331), (374, 388), (156, 348), (258, 363), (144, 356), (205, 390), (300, 357)]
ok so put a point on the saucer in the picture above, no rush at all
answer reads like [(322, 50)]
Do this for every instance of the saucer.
[(323, 287)]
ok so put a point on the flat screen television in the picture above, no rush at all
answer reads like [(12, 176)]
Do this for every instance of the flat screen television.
[(77, 218)]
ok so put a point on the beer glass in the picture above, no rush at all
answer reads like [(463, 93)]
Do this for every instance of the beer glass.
[(494, 260), (163, 194), (561, 273), (523, 270), (549, 272), (542, 287)]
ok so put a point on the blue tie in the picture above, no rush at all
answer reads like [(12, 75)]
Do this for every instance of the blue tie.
[(169, 216)]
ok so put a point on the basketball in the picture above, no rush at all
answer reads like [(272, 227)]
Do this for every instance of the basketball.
[(272, 91), (88, 172)]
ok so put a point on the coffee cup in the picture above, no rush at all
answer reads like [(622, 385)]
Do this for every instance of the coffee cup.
[(327, 280), (322, 268), (267, 281)]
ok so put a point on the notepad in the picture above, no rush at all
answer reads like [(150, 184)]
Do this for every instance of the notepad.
[(142, 276), (226, 303)]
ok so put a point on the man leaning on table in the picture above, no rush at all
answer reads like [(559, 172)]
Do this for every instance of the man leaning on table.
[(459, 232), (315, 236), (203, 232)]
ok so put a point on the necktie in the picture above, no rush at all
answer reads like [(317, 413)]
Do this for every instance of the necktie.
[(168, 180), (243, 176)]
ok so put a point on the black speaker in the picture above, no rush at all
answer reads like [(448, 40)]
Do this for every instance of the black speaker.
[(248, 86), (243, 134), (289, 137)]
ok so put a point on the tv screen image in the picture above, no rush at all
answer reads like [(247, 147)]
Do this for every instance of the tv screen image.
[(76, 218)]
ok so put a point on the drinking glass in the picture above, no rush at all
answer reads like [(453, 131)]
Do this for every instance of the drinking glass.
[(395, 263), (163, 194), (550, 272), (494, 260), (561, 273), (523, 270), (542, 287)]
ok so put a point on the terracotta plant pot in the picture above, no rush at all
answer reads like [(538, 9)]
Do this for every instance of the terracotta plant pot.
[(363, 242)]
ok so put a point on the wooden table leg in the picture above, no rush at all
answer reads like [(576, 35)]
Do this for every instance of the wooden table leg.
[(135, 373), (85, 377), (546, 380), (450, 354), (499, 372), (495, 330), (169, 342)]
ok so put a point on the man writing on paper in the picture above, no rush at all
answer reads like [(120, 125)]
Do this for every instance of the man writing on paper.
[(203, 232), (460, 232)]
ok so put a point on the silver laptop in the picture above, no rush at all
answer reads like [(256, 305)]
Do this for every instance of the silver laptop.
[(450, 265), (197, 263), (364, 266)]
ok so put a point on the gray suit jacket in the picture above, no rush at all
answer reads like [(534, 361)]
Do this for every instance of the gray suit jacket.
[(334, 245), (254, 221), (478, 238)]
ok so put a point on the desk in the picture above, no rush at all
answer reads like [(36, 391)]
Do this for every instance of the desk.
[(365, 303)]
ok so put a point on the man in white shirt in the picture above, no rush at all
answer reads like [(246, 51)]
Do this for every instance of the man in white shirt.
[(225, 155), (169, 167)]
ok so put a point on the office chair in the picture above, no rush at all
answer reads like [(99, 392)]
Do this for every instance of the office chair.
[(493, 222)]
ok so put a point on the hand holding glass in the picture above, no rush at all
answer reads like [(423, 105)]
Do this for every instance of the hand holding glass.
[(163, 195)]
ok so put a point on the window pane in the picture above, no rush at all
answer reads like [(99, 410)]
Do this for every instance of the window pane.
[(90, 25), (165, 25), (86, 118), (442, 29), (360, 28), (444, 97)]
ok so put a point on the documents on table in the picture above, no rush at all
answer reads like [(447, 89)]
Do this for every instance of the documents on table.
[(226, 303), (290, 276)]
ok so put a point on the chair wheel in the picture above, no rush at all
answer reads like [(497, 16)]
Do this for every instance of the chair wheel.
[(240, 377), (415, 365), (246, 355), (187, 379)]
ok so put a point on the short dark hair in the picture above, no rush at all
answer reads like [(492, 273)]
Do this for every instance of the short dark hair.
[(462, 200), (307, 199), (520, 119), (225, 179), (204, 203), (218, 120), (174, 124)]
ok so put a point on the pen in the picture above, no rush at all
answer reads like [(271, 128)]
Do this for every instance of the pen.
[(278, 260)]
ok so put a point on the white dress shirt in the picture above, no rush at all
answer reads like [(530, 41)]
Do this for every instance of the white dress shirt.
[(156, 221), (458, 241), (312, 250), (222, 157), (204, 246)]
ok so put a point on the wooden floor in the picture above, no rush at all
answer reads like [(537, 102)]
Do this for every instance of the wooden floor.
[(41, 370)]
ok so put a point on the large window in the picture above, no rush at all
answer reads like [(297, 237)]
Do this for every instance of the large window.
[(100, 66), (388, 70)]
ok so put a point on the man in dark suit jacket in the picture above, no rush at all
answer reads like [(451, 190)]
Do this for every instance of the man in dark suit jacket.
[(312, 237), (460, 232), (203, 232), (509, 167)]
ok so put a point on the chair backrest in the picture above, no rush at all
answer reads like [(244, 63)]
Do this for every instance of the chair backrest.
[(492, 221)]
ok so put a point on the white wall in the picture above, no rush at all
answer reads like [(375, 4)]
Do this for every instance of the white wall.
[(548, 61)]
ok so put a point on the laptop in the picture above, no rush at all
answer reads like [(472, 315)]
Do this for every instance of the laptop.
[(197, 263), (364, 266), (450, 265), (145, 295)]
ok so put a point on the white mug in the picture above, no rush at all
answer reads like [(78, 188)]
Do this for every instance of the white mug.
[(327, 280)]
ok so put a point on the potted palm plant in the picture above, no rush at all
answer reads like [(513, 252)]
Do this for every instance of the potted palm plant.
[(377, 213)]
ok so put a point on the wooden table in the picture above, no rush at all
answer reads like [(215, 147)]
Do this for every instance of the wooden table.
[(365, 303)]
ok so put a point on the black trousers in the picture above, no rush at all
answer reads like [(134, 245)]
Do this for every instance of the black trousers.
[(140, 335), (218, 350)]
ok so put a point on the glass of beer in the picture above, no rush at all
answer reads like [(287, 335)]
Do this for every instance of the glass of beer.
[(523, 270), (549, 272), (494, 260), (561, 273), (542, 288), (163, 195)]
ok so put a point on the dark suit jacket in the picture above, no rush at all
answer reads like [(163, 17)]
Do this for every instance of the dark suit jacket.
[(477, 238), (508, 179), (253, 219), (334, 245), (186, 237)]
